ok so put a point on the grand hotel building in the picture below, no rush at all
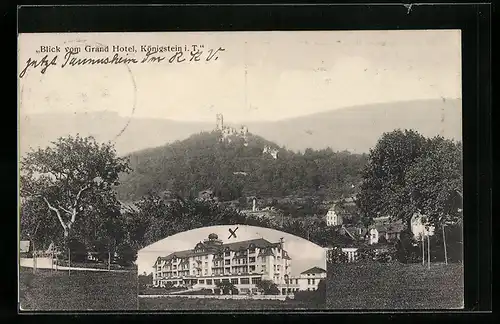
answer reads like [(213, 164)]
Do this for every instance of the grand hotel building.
[(243, 264)]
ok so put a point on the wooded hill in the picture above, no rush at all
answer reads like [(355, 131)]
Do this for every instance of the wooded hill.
[(233, 170)]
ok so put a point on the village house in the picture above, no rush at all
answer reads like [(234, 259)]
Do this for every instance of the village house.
[(419, 228), (379, 233), (340, 212)]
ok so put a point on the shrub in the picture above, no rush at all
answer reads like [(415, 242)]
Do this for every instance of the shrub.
[(318, 297)]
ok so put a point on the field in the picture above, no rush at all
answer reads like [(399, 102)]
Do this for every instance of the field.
[(394, 286), (180, 303), (83, 290)]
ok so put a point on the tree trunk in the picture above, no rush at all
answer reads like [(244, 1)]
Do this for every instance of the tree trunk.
[(34, 257), (69, 261), (444, 244), (109, 260), (428, 252), (423, 249)]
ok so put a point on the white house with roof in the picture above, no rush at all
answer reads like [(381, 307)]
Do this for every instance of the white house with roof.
[(341, 212), (390, 232), (307, 280), (333, 218)]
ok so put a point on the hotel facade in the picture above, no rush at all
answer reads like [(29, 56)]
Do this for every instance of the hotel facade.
[(244, 264)]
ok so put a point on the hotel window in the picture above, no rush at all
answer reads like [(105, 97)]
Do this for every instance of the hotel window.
[(252, 268), (263, 268), (206, 272), (234, 281), (252, 259), (206, 264), (227, 253), (308, 281), (216, 281), (225, 280), (206, 257), (228, 270), (255, 280), (201, 281), (296, 281), (227, 262), (245, 281), (174, 267), (209, 281), (263, 259), (313, 281), (251, 250)]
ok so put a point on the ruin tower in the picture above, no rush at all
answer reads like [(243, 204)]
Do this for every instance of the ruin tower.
[(219, 122)]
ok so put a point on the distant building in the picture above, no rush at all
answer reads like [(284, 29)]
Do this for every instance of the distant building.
[(307, 280), (419, 228), (228, 132), (390, 232), (268, 150), (219, 125), (206, 194), (356, 233), (350, 251), (24, 246), (340, 212), (333, 218)]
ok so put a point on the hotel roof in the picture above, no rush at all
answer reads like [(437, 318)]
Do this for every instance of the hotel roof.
[(211, 249), (314, 270)]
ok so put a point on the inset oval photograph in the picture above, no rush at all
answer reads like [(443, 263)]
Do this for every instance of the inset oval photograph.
[(245, 266)]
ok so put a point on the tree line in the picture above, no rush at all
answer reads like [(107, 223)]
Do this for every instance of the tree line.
[(69, 191)]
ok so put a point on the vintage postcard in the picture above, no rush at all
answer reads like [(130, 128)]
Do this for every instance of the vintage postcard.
[(232, 267), (297, 170)]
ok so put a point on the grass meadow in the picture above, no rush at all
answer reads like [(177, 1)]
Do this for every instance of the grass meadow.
[(48, 290), (180, 303), (394, 286)]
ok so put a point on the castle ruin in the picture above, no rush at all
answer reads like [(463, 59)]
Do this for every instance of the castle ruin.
[(228, 132)]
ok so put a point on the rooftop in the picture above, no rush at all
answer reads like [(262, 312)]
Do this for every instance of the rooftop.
[(204, 248), (314, 270)]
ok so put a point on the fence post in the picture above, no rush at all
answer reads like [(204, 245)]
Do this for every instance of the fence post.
[(444, 243), (69, 261), (428, 251)]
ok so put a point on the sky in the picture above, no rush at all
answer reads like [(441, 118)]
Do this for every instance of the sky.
[(261, 76), (303, 253)]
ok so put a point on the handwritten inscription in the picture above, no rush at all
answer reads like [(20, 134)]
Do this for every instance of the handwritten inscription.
[(77, 56)]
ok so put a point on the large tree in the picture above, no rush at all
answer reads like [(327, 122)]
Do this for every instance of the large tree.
[(74, 178), (408, 174), (383, 191), (435, 180)]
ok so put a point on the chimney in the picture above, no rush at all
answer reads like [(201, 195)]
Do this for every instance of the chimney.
[(282, 243), (254, 208)]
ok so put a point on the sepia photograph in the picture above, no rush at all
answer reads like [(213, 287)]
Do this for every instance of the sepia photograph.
[(276, 170), (237, 267)]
